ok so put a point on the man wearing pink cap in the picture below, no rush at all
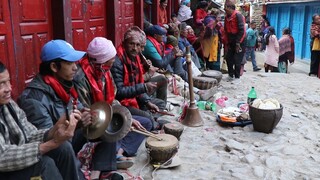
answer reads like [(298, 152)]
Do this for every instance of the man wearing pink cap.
[(94, 83)]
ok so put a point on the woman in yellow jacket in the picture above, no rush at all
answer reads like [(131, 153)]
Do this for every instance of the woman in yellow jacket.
[(210, 44)]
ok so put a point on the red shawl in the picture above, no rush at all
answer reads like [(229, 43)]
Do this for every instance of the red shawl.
[(126, 73), (94, 77)]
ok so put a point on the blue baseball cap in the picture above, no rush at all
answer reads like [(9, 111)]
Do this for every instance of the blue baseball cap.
[(156, 29), (60, 49)]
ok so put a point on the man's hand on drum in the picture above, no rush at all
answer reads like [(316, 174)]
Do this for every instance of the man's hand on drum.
[(137, 125), (86, 119), (152, 107)]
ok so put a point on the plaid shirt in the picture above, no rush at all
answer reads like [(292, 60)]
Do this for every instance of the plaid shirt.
[(26, 153)]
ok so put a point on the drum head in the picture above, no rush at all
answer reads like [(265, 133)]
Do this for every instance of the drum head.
[(174, 126), (213, 74), (168, 141)]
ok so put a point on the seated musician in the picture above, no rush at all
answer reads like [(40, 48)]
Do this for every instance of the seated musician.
[(127, 72), (150, 72), (25, 151), (94, 83), (156, 52), (51, 94)]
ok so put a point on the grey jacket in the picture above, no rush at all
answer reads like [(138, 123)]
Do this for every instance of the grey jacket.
[(26, 153), (41, 104)]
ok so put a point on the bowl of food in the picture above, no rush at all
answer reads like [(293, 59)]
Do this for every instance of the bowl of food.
[(264, 115)]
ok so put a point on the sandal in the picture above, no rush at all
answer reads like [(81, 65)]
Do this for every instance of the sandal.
[(123, 164)]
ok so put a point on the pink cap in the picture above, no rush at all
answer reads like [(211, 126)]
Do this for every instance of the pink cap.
[(101, 49)]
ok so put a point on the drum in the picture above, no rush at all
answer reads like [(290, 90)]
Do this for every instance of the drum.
[(174, 129), (213, 74), (161, 151), (204, 82)]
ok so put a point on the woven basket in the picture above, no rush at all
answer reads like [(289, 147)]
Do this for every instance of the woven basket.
[(265, 120)]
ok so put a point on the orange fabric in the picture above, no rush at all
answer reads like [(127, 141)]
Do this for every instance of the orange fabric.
[(162, 16), (228, 119)]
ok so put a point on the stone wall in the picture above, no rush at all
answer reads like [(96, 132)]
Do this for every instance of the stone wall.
[(256, 14)]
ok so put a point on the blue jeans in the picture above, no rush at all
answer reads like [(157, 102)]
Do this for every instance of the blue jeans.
[(250, 52), (132, 141)]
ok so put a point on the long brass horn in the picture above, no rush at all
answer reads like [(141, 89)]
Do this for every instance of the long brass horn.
[(192, 117), (109, 123)]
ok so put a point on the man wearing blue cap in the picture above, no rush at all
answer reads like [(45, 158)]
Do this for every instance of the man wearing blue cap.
[(29, 153), (51, 94)]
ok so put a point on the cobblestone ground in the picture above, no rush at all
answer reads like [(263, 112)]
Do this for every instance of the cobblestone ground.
[(291, 151)]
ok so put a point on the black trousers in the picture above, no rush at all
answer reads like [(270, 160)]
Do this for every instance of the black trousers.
[(58, 164), (234, 60), (314, 64), (132, 141)]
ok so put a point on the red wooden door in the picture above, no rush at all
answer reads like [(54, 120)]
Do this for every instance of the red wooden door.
[(6, 41), (88, 21), (125, 17), (26, 27), (31, 30)]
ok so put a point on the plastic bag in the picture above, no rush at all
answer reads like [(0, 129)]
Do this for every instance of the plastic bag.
[(224, 67), (195, 71)]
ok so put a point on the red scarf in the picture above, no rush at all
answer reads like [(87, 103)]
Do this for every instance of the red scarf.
[(168, 50), (157, 45), (138, 77), (60, 91), (94, 76)]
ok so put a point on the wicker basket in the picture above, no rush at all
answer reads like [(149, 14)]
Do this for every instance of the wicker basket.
[(265, 120)]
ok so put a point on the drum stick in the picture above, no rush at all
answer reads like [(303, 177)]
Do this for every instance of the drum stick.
[(165, 113), (146, 134)]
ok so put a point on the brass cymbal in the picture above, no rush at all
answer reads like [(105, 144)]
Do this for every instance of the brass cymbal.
[(101, 113), (119, 126)]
